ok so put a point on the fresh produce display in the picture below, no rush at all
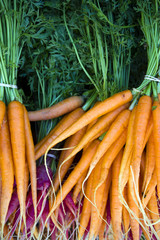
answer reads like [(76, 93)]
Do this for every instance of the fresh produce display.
[(80, 119)]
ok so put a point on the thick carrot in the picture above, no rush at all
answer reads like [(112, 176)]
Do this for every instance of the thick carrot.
[(63, 167), (101, 126), (17, 132), (86, 208), (55, 132), (156, 133), (150, 162), (3, 110), (30, 157), (96, 208), (141, 120), (7, 170), (82, 165), (57, 110), (102, 108), (115, 203)]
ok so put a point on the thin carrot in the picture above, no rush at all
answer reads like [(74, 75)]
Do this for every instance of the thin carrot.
[(115, 203), (128, 152), (3, 110), (114, 132), (65, 106), (63, 167), (102, 108), (154, 213), (125, 213), (86, 208), (101, 126), (150, 162), (156, 133), (82, 165), (150, 189), (78, 187), (7, 171), (55, 132), (110, 155), (103, 210), (17, 132), (141, 120), (30, 157)]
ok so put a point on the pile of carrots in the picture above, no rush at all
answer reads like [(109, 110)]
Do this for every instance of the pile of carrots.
[(115, 147)]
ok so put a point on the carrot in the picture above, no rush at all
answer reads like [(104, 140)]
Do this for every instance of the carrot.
[(99, 110), (104, 203), (107, 160), (17, 133), (78, 187), (30, 157), (3, 110), (86, 208), (150, 189), (101, 126), (156, 133), (150, 162), (115, 204), (55, 132), (141, 120), (154, 213), (82, 165), (95, 209), (63, 167), (7, 171), (128, 151), (65, 106), (110, 155), (125, 213)]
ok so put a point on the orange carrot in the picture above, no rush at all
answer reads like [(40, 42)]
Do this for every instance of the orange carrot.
[(115, 204), (3, 110), (150, 189), (102, 108), (96, 208), (101, 126), (150, 162), (82, 165), (17, 132), (156, 133), (7, 170), (30, 157), (55, 132), (62, 167), (104, 204), (78, 187), (65, 106), (86, 208), (154, 213), (110, 155), (125, 213), (141, 120)]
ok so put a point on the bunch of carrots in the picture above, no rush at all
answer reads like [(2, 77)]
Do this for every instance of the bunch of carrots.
[(118, 144), (17, 153)]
